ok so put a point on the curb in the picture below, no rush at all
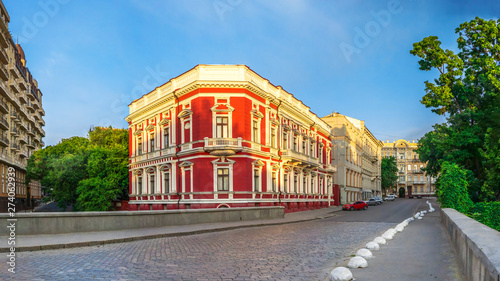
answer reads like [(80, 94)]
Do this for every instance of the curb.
[(154, 236)]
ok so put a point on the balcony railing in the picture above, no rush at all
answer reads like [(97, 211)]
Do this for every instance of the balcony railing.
[(223, 146), (302, 158), (4, 124), (4, 141)]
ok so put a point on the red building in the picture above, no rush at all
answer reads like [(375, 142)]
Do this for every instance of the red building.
[(223, 136)]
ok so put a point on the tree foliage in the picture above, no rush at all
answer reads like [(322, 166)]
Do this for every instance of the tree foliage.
[(389, 171), (451, 188), (466, 92), (87, 173)]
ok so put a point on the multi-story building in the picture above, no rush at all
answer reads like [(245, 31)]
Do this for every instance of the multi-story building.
[(412, 181), (356, 157), (223, 136), (21, 120)]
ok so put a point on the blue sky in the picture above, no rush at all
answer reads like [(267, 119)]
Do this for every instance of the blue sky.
[(92, 58)]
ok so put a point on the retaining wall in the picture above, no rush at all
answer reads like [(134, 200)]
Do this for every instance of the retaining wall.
[(71, 222), (477, 246)]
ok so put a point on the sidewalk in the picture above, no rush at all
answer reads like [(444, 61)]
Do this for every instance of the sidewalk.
[(422, 252), (58, 241)]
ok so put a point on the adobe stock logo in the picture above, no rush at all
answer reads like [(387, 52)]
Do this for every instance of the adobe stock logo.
[(362, 38), (40, 19), (223, 6)]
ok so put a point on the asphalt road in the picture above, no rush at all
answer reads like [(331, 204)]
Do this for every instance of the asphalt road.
[(296, 251)]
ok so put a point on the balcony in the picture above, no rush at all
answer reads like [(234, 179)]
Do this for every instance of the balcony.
[(30, 144), (14, 116), (223, 146), (36, 106), (3, 40), (13, 86), (23, 153), (42, 132), (14, 131), (418, 171), (22, 97), (42, 112), (31, 131), (29, 106), (4, 108), (23, 139), (3, 56), (13, 70), (3, 73), (42, 122), (14, 146), (4, 141), (299, 158), (4, 124), (36, 117), (22, 84)]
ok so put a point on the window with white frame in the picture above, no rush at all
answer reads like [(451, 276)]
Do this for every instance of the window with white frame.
[(295, 183), (166, 181), (152, 184), (256, 180), (285, 183), (166, 137), (255, 131), (139, 185), (274, 181), (295, 143), (321, 191), (313, 190), (304, 147), (223, 179), (304, 184), (139, 146), (221, 127), (152, 142), (273, 136), (320, 156), (285, 140)]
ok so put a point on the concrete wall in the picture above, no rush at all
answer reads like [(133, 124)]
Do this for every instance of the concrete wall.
[(477, 246), (53, 223)]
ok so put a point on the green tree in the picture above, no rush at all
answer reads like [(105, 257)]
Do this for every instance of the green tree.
[(466, 92), (389, 171), (87, 173), (451, 188)]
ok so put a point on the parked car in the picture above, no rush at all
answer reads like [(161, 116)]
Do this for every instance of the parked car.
[(372, 202), (419, 196), (410, 196), (358, 205), (379, 199), (390, 198)]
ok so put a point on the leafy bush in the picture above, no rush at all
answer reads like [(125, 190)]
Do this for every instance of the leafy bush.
[(451, 188), (487, 213)]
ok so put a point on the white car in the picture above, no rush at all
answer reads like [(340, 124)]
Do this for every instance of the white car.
[(390, 198)]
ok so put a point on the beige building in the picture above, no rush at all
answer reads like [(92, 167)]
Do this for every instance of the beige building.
[(411, 179), (21, 120), (356, 155)]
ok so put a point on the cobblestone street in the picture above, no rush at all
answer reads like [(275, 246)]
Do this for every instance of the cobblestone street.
[(297, 251)]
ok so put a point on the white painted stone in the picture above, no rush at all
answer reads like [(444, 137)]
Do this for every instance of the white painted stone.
[(388, 235), (399, 228), (357, 262), (341, 274), (379, 240), (364, 253), (420, 218), (372, 246)]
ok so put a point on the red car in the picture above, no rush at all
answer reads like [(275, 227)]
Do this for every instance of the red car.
[(358, 205)]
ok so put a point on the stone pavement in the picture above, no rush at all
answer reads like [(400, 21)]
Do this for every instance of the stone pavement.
[(71, 240), (422, 252)]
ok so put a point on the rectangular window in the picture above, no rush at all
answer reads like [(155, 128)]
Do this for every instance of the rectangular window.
[(152, 143), (321, 191), (273, 137), (166, 182), (295, 183), (409, 167), (139, 146), (321, 155), (285, 141), (139, 185), (312, 149), (223, 179), (312, 186), (304, 185), (255, 130), (304, 147), (166, 137), (285, 182), (274, 181), (221, 127), (256, 180), (295, 143), (152, 183)]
